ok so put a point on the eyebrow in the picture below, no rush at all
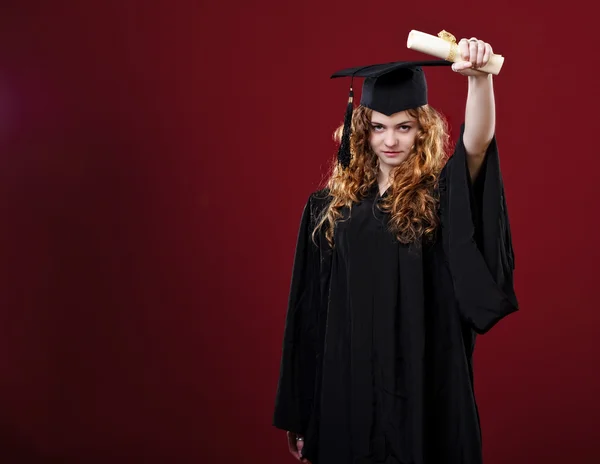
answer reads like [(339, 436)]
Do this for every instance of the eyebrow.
[(375, 123)]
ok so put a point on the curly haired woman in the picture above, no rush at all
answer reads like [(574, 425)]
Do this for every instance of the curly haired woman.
[(401, 261)]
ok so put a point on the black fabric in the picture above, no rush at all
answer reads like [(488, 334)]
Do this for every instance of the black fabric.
[(376, 70), (377, 352), (392, 87)]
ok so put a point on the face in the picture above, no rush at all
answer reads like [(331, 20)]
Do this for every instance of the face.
[(392, 137)]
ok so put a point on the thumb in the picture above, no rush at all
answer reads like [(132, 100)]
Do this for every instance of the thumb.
[(461, 66)]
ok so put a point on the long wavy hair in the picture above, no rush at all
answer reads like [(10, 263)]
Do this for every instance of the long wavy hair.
[(412, 201)]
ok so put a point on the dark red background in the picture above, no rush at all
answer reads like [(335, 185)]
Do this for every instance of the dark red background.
[(154, 161)]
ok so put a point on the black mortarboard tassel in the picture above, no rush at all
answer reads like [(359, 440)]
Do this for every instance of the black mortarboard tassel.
[(344, 154)]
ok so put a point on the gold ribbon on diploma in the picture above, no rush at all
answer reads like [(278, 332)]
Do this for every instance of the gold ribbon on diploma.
[(444, 35)]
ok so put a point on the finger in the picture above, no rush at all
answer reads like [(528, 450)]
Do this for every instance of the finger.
[(473, 45), (291, 439), (480, 52), (463, 47), (292, 446), (300, 446), (487, 54), (461, 65), (296, 455)]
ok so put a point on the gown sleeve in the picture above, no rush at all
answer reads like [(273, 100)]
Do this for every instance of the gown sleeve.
[(477, 238), (295, 390)]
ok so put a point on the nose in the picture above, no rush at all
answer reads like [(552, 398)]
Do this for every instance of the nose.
[(390, 139)]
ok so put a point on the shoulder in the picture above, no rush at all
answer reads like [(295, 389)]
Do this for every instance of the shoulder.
[(319, 200), (316, 203)]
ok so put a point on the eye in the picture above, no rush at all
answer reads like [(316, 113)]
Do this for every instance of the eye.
[(404, 128), (377, 127)]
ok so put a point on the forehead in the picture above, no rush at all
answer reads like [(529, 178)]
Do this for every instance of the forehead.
[(395, 118)]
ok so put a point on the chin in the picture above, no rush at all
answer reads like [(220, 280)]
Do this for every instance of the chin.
[(392, 162)]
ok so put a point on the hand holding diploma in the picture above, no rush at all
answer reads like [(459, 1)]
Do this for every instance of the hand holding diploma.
[(471, 57)]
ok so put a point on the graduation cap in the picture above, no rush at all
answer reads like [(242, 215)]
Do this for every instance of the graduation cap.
[(388, 88)]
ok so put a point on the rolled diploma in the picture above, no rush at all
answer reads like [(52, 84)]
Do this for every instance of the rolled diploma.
[(440, 48)]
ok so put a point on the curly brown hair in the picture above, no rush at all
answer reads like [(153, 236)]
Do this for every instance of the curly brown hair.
[(412, 202)]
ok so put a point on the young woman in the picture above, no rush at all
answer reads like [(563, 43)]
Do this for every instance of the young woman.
[(400, 262)]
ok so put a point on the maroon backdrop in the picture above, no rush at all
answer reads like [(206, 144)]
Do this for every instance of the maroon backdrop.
[(154, 161)]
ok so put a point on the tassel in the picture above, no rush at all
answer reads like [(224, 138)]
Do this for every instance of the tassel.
[(344, 154)]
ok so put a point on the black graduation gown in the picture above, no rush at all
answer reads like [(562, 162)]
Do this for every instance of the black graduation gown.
[(379, 336)]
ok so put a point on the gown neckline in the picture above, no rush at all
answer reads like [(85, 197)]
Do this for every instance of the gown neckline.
[(375, 193)]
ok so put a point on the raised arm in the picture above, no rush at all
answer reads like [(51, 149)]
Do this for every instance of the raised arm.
[(480, 112)]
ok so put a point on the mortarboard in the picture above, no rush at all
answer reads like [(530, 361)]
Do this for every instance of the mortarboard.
[(388, 88)]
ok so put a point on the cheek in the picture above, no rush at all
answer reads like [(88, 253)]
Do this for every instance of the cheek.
[(409, 138), (374, 139)]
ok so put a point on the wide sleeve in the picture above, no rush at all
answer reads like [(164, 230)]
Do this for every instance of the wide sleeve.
[(295, 390), (477, 238)]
